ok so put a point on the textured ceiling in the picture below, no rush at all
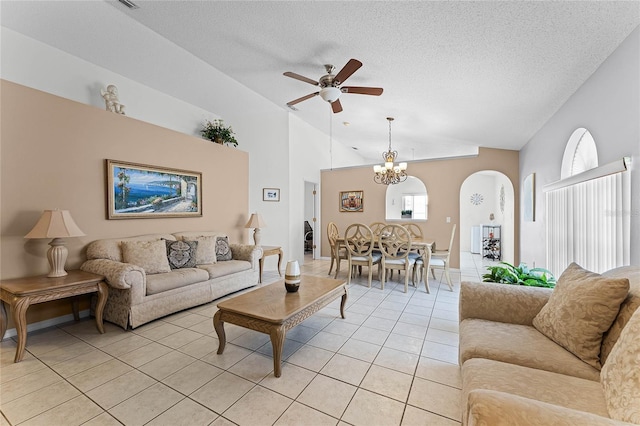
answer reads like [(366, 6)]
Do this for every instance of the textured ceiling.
[(455, 74)]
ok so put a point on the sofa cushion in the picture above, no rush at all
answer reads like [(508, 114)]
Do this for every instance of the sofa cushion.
[(149, 255), (206, 253), (519, 344), (181, 254), (545, 386), (226, 268), (174, 279), (620, 376), (223, 251), (111, 248), (581, 308), (627, 308)]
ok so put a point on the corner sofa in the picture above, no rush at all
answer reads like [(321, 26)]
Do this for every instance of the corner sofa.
[(514, 374), (148, 287)]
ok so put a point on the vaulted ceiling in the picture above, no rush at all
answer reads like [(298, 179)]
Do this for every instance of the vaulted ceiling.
[(455, 74)]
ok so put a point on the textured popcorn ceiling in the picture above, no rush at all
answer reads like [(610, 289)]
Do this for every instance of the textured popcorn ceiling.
[(455, 74)]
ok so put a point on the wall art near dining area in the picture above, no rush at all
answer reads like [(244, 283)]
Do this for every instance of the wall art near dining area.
[(351, 201), (529, 198), (139, 191), (270, 194)]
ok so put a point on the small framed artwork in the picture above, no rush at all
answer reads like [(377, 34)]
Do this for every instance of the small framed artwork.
[(270, 194), (351, 201), (529, 198), (139, 191)]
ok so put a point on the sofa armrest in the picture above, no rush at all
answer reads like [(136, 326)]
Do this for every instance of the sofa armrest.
[(246, 252), (118, 275), (488, 407), (514, 304)]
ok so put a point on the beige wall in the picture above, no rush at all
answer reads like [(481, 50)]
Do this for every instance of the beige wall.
[(53, 156), (443, 179)]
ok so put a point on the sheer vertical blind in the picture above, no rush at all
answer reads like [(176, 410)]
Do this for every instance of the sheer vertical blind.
[(588, 219)]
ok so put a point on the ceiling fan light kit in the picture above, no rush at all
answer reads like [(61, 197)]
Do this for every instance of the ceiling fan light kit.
[(330, 94), (389, 173), (329, 84)]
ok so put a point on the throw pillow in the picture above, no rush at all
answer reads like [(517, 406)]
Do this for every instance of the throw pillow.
[(620, 376), (181, 254), (581, 308), (206, 253), (223, 251), (149, 255)]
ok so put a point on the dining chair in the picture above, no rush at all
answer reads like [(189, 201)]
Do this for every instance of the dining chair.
[(395, 244), (359, 240), (440, 259), (337, 253), (414, 230), (423, 262), (376, 227)]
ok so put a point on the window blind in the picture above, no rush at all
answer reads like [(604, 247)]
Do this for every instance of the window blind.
[(588, 222)]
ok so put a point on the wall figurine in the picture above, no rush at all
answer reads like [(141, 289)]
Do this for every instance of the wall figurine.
[(111, 100)]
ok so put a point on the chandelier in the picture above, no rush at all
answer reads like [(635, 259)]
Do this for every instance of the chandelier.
[(390, 174)]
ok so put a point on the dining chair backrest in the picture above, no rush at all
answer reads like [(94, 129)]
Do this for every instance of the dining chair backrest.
[(332, 233), (414, 230), (376, 227), (453, 234), (395, 242), (359, 240)]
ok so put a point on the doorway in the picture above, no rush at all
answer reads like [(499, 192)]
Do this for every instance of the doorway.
[(311, 234), (487, 222)]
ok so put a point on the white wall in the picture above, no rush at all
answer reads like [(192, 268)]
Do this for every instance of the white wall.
[(262, 129), (608, 105), (310, 151)]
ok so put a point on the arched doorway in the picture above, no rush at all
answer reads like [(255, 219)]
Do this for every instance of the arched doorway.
[(487, 198)]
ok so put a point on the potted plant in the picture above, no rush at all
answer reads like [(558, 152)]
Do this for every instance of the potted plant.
[(406, 214), (217, 132), (506, 273)]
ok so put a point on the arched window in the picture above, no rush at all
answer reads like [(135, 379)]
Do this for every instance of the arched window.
[(580, 154)]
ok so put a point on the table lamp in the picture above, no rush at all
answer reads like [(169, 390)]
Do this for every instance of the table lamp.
[(256, 221), (56, 224)]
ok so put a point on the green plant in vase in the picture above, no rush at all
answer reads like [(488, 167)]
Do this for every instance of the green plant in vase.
[(506, 273), (217, 132)]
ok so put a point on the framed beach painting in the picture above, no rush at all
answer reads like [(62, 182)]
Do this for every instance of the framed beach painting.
[(351, 201), (139, 191), (270, 194)]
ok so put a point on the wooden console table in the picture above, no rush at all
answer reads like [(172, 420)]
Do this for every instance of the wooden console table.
[(270, 251), (21, 293)]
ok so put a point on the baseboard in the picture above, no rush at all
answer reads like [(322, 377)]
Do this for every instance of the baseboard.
[(47, 323)]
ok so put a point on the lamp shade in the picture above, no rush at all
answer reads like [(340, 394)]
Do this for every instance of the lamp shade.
[(256, 221), (55, 224)]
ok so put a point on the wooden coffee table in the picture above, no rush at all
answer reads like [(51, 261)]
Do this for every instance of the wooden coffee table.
[(273, 311)]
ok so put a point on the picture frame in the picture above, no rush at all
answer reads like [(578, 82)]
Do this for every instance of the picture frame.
[(529, 198), (351, 201), (271, 194), (140, 191)]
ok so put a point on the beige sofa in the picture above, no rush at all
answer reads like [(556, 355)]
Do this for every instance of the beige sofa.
[(512, 374), (138, 295)]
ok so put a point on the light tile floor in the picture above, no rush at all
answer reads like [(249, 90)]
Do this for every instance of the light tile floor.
[(392, 361)]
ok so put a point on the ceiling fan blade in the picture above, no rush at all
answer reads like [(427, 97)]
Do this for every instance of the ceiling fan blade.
[(346, 71), (304, 98), (375, 91), (300, 77), (336, 106)]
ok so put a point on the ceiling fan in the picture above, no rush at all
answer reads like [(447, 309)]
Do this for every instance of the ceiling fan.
[(330, 85)]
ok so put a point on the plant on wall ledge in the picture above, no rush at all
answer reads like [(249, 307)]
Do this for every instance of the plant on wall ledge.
[(506, 273), (217, 132), (406, 214)]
